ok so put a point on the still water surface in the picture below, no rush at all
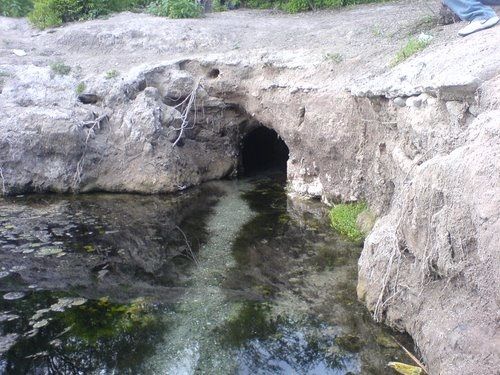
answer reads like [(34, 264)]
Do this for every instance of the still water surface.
[(232, 277)]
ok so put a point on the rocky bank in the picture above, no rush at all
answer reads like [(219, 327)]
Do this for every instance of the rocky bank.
[(419, 141)]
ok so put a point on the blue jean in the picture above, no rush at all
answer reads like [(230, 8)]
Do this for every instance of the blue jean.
[(469, 10)]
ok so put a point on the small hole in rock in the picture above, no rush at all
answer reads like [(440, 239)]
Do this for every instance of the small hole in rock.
[(214, 73)]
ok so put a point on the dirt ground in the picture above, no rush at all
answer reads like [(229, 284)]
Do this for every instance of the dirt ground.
[(356, 35)]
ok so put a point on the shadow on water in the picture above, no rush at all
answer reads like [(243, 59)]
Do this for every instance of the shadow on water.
[(108, 284)]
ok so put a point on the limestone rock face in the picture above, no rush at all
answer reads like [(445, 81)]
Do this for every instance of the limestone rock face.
[(431, 265), (419, 141)]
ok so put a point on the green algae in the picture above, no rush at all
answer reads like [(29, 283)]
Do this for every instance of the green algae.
[(343, 219)]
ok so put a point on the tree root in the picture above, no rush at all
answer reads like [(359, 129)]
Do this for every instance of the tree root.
[(3, 182), (189, 101), (90, 125)]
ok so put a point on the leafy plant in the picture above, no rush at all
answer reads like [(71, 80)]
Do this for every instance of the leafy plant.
[(15, 8), (223, 5), (334, 57), (47, 13), (80, 88), (343, 219), (158, 8), (413, 46), (295, 6), (60, 68), (184, 9), (176, 8)]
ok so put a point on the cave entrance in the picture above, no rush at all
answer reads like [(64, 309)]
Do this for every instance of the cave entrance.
[(263, 150)]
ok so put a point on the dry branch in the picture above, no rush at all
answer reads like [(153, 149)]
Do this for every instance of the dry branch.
[(414, 359)]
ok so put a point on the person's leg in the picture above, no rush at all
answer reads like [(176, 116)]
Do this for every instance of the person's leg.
[(491, 2), (469, 10)]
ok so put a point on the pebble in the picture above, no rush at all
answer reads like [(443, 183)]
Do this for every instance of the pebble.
[(8, 317), (19, 52), (40, 324), (414, 101), (49, 251), (400, 102), (13, 296)]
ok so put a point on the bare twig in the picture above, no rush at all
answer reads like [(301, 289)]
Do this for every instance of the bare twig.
[(414, 359), (95, 122), (190, 250)]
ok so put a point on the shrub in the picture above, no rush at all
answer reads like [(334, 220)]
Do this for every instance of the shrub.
[(158, 8), (48, 13), (15, 8), (176, 8), (343, 219), (60, 68), (261, 4), (295, 6), (223, 5)]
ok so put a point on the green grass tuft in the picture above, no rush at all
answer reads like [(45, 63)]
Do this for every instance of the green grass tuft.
[(60, 68), (110, 74), (343, 219), (412, 47), (80, 88), (335, 57)]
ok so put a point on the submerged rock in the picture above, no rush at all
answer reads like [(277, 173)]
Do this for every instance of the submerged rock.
[(7, 341), (5, 317), (13, 296)]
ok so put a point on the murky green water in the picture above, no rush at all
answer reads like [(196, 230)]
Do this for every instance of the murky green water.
[(229, 278)]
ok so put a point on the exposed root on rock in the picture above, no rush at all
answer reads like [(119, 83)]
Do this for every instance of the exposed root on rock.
[(382, 300), (90, 125), (187, 103), (3, 181)]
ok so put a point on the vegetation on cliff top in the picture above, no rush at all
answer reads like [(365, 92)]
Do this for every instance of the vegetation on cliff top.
[(47, 13), (15, 8)]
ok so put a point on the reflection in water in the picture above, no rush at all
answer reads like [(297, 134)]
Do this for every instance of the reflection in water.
[(107, 284)]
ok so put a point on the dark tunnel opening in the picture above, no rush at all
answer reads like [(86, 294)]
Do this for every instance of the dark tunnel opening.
[(263, 150)]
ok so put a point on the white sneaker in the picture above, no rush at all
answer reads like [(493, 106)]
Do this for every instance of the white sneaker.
[(478, 25)]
